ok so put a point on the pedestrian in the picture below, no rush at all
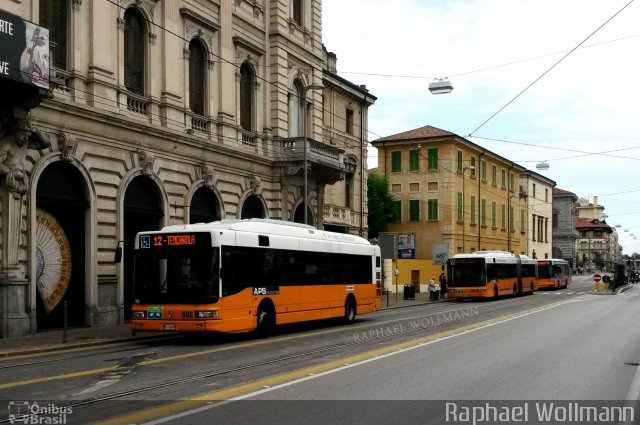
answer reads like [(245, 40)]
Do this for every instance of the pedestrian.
[(436, 293), (432, 289), (443, 285)]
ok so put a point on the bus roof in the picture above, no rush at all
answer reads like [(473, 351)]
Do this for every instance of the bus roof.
[(266, 226), (497, 257), (553, 261)]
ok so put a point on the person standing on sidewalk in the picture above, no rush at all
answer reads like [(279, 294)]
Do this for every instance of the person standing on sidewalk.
[(432, 289), (443, 284)]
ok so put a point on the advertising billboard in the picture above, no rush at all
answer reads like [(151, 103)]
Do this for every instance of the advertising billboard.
[(24, 51)]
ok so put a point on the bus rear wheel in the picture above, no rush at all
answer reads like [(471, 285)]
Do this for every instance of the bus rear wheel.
[(350, 310)]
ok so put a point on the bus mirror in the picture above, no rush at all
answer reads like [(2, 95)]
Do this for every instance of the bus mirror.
[(118, 258)]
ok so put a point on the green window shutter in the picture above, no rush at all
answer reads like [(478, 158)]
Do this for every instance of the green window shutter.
[(473, 210), (483, 170), (494, 175), (432, 159), (494, 208), (414, 160), (511, 217), (397, 211), (483, 213), (504, 216), (459, 161), (396, 161), (414, 210), (522, 220), (432, 210), (460, 210)]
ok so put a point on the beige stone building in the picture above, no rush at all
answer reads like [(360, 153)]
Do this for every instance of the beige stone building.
[(453, 192), (538, 191), (161, 113)]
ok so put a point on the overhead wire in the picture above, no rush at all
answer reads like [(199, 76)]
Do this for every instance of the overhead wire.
[(548, 70)]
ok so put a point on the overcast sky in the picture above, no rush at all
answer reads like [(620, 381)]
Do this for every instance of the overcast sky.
[(491, 50)]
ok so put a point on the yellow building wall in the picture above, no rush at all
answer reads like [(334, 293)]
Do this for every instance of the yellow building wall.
[(424, 268)]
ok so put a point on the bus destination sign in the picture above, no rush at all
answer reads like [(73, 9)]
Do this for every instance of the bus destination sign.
[(170, 240)]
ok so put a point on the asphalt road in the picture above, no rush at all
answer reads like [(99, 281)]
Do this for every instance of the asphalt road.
[(553, 345)]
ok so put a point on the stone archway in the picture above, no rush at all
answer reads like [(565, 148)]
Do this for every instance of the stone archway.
[(142, 211), (252, 207), (61, 200), (204, 206)]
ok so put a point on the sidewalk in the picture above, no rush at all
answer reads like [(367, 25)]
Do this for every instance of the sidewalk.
[(81, 337)]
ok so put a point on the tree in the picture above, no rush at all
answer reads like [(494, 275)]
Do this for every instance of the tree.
[(380, 204)]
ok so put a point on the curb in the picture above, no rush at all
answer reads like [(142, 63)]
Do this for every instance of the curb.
[(72, 345)]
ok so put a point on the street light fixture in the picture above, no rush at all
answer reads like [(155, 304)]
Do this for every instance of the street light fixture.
[(304, 130), (442, 86), (464, 224)]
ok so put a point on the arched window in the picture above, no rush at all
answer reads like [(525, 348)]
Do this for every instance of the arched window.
[(54, 15), (296, 110), (246, 97), (196, 77), (134, 52)]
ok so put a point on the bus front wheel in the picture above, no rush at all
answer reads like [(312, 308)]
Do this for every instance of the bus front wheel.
[(350, 310), (266, 319)]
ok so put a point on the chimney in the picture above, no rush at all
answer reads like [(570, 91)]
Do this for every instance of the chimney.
[(332, 60)]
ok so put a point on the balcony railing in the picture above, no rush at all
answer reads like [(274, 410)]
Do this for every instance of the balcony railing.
[(338, 215), (317, 152)]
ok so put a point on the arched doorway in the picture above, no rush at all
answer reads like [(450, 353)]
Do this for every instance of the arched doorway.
[(253, 208), (142, 211), (204, 207), (298, 215), (61, 229)]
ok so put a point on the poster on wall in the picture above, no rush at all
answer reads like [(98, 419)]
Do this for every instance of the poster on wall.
[(407, 246), (24, 51), (440, 253)]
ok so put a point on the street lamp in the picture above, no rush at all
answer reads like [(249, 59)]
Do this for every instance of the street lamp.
[(464, 224), (304, 130), (442, 86)]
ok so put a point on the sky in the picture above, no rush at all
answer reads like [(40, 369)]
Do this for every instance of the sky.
[(580, 114)]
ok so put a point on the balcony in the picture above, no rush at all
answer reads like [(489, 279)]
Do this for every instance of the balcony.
[(338, 215), (324, 161)]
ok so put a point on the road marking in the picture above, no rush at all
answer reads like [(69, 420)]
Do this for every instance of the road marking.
[(215, 399)]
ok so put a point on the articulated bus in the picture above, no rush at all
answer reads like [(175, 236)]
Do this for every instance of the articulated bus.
[(553, 273), (490, 274), (243, 275)]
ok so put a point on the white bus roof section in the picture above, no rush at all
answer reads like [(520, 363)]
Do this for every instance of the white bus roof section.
[(282, 234), (497, 257)]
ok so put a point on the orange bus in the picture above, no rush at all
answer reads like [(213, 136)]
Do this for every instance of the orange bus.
[(553, 273), (243, 275), (490, 274)]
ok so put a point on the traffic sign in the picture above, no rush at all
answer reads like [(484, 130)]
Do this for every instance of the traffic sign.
[(597, 277)]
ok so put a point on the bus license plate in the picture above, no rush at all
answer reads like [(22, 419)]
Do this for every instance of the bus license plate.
[(169, 327)]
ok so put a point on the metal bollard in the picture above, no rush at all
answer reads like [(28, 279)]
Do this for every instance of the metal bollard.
[(64, 324)]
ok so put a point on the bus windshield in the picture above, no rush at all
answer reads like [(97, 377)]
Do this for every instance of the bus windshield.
[(467, 272), (187, 275), (545, 271)]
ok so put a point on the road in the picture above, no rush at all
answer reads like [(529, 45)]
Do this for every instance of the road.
[(399, 365)]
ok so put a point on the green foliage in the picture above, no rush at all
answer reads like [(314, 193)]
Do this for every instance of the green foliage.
[(380, 204)]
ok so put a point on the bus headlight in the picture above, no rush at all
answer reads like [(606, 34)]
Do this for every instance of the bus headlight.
[(138, 314), (207, 314)]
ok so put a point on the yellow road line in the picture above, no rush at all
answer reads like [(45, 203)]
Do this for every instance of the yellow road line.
[(227, 394), (54, 378)]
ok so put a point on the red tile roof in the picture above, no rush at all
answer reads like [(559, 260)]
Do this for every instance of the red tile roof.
[(588, 223), (562, 192), (418, 133)]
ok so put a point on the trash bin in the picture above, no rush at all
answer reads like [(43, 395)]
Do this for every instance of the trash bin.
[(409, 292)]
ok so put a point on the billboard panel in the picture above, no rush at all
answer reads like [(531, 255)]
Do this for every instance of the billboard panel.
[(24, 51)]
